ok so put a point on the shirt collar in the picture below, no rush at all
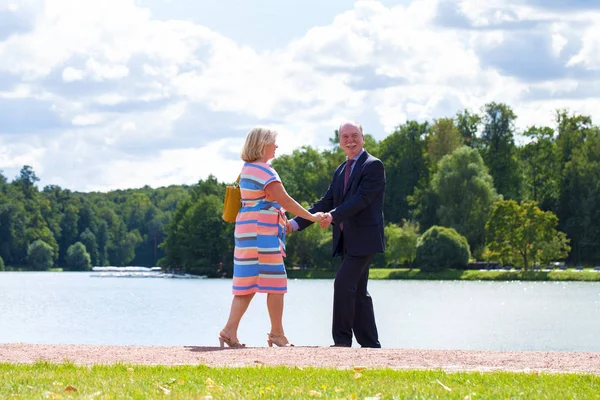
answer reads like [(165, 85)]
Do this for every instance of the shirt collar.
[(358, 155)]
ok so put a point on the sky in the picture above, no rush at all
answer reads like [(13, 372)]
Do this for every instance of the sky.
[(97, 95)]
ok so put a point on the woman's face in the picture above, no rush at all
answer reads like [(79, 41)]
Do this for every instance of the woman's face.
[(270, 151)]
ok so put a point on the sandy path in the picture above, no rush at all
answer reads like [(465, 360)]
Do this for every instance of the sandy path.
[(448, 360)]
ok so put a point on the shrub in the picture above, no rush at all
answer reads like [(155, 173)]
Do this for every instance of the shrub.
[(40, 255), (1, 264), (78, 258), (440, 248)]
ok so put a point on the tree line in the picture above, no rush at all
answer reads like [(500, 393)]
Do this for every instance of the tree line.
[(516, 203)]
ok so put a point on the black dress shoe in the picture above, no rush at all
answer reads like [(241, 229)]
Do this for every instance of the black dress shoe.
[(340, 345)]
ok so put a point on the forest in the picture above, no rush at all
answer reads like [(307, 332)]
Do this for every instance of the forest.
[(520, 198)]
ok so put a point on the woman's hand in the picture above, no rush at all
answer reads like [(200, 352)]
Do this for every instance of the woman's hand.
[(317, 217)]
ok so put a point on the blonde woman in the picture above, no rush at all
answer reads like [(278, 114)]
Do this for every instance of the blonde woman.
[(260, 231)]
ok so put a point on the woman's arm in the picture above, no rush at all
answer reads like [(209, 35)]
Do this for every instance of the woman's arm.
[(276, 191)]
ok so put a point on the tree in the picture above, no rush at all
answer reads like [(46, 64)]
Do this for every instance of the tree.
[(441, 248), (304, 173), (77, 258), (542, 166), (26, 182), (468, 124), (401, 243), (40, 255), (102, 240), (462, 193), (498, 149), (444, 138), (88, 239), (572, 132), (403, 154), (68, 226), (198, 240), (1, 264), (580, 200), (310, 248), (522, 233)]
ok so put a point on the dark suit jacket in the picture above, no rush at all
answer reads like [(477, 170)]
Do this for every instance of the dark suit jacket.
[(360, 208)]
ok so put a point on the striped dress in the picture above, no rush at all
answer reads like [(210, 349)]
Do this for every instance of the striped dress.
[(259, 235)]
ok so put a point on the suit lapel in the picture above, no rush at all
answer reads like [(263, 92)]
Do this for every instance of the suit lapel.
[(357, 167)]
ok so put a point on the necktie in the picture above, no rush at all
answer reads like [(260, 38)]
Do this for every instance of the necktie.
[(346, 177), (347, 172)]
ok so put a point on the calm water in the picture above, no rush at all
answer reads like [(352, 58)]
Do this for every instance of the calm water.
[(76, 308)]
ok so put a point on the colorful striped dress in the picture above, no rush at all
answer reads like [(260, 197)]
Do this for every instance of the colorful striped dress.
[(259, 235)]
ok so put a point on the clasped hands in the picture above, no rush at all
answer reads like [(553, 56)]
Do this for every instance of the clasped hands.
[(324, 220)]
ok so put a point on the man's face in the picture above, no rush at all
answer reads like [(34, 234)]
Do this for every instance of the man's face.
[(351, 140)]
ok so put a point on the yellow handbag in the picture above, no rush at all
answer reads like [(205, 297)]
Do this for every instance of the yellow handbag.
[(232, 202)]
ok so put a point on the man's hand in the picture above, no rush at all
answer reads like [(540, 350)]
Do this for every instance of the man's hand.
[(326, 221)]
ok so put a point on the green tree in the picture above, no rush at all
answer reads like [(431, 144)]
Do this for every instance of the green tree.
[(40, 255), (13, 233), (444, 138), (88, 239), (522, 233), (198, 240), (403, 154), (310, 248), (68, 228), (572, 132), (26, 182), (441, 248), (77, 258), (461, 193), (498, 149), (542, 166), (1, 264), (401, 243), (580, 200), (304, 173), (468, 124), (102, 239)]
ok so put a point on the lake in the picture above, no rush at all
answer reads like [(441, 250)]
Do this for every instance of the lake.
[(76, 308)]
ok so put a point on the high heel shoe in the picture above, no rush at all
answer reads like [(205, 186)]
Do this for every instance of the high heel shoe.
[(224, 338), (278, 340)]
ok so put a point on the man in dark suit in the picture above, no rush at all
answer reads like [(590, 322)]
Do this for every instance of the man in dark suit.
[(354, 205)]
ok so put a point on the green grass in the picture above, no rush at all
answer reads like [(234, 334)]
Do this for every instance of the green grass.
[(469, 275), (54, 381)]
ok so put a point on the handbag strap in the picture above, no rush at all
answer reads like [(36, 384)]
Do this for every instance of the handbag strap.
[(237, 181)]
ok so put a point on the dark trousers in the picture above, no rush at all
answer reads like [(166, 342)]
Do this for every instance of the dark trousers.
[(352, 304)]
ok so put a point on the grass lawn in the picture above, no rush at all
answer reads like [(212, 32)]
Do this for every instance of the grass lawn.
[(63, 381)]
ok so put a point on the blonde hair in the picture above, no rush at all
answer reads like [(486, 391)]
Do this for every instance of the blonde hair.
[(256, 141)]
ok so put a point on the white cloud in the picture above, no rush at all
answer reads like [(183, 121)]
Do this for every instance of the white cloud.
[(71, 74), (589, 55), (88, 119), (168, 101)]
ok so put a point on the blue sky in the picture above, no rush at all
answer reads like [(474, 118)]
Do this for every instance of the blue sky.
[(99, 95)]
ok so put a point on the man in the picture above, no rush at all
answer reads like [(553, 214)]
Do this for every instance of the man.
[(354, 205)]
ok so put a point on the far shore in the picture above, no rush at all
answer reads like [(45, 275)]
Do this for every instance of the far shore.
[(537, 274)]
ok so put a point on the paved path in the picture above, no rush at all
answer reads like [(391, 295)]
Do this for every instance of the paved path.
[(448, 360)]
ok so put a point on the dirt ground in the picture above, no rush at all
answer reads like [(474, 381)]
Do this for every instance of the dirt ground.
[(447, 360)]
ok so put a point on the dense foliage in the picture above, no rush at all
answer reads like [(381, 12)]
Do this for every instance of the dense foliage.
[(449, 172), (441, 248)]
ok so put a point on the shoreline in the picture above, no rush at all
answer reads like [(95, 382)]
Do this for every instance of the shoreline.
[(341, 358)]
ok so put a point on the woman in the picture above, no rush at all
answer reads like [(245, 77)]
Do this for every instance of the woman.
[(260, 238)]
